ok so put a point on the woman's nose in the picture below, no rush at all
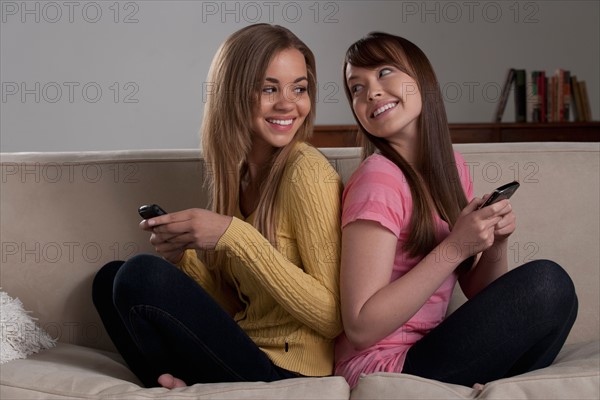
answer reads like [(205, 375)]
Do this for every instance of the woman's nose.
[(285, 100), (374, 92)]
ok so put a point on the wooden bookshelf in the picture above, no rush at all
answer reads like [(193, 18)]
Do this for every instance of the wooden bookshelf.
[(345, 135)]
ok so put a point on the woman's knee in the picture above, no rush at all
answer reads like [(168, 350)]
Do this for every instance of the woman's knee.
[(550, 283), (142, 270), (103, 284), (549, 273), (143, 276)]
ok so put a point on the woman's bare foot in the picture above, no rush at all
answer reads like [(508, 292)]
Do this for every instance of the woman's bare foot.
[(170, 382)]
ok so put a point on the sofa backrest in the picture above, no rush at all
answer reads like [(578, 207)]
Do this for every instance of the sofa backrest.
[(64, 215)]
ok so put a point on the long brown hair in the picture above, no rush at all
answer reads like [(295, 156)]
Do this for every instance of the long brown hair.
[(235, 79), (434, 181)]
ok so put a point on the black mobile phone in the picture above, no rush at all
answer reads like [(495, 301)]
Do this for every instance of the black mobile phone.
[(503, 192), (150, 211)]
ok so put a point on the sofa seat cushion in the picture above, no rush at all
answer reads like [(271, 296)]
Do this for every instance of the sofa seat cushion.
[(70, 371), (575, 374)]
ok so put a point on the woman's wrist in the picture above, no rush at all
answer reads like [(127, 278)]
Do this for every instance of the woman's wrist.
[(450, 252), (176, 259)]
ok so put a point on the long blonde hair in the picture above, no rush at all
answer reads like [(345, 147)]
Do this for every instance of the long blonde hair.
[(434, 182), (235, 79)]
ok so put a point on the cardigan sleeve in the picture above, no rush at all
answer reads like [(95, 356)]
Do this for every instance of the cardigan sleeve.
[(195, 268), (310, 195), (223, 294)]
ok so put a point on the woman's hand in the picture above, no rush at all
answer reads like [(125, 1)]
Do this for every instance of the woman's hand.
[(194, 228), (507, 225), (493, 263), (476, 230)]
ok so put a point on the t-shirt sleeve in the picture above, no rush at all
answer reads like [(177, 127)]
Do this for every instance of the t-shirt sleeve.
[(378, 192)]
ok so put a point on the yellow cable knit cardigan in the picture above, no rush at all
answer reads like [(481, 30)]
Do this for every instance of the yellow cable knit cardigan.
[(286, 298)]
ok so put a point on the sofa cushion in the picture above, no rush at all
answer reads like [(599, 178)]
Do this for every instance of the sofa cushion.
[(573, 375), (64, 215), (70, 371), (387, 385)]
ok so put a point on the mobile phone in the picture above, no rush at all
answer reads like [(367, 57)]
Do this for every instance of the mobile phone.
[(150, 211), (503, 192)]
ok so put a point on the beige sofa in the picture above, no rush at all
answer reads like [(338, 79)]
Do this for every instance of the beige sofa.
[(63, 215)]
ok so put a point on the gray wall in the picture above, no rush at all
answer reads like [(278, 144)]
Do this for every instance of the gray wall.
[(96, 75)]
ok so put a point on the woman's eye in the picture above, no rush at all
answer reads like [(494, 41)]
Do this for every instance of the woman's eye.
[(384, 72), (300, 89), (355, 88), (269, 89)]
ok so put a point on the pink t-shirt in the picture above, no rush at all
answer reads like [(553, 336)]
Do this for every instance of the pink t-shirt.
[(378, 191)]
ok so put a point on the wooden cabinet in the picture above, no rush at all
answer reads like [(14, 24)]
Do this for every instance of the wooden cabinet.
[(345, 135)]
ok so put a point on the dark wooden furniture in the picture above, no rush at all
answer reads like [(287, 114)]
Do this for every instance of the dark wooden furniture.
[(345, 135)]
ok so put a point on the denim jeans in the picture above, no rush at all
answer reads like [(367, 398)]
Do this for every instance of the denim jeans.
[(516, 324), (162, 321)]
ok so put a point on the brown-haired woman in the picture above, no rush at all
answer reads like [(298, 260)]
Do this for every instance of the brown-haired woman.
[(411, 229), (255, 296)]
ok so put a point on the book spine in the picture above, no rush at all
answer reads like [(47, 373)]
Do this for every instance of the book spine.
[(576, 105), (560, 117), (533, 101), (520, 96), (585, 101), (542, 84), (553, 116), (566, 93), (510, 76)]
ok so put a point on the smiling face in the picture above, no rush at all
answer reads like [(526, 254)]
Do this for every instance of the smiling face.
[(386, 101), (283, 102)]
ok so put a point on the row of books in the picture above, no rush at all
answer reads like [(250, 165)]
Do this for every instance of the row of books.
[(541, 98)]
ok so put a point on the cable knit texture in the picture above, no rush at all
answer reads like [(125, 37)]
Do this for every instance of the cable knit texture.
[(286, 297)]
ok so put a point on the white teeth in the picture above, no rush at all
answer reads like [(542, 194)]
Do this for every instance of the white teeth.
[(382, 109), (281, 121)]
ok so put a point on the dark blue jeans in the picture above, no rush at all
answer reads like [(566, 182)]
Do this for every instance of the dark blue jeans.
[(162, 321), (517, 324)]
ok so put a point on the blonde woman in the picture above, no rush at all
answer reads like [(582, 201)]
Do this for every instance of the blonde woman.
[(254, 296)]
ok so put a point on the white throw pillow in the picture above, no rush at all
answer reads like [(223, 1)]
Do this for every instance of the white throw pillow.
[(20, 335)]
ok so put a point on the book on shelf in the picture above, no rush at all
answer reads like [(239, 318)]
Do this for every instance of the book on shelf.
[(534, 104), (563, 95), (510, 77), (576, 100), (520, 95), (542, 96), (581, 110), (585, 100), (552, 99), (539, 97)]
